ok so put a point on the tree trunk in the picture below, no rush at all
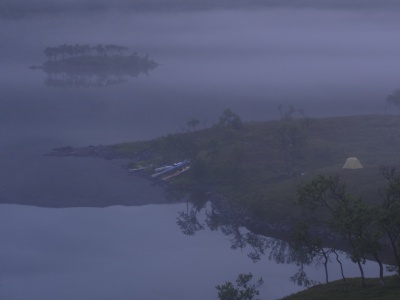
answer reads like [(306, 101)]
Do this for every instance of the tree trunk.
[(340, 263), (326, 271), (326, 260), (395, 250), (362, 273), (380, 269)]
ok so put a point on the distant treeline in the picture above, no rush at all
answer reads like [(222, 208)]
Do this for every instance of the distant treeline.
[(83, 65), (12, 8), (65, 51)]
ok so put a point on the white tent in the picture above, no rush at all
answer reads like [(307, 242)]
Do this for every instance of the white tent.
[(352, 163)]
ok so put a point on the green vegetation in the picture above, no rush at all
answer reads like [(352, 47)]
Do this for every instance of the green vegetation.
[(366, 228), (262, 164), (267, 167), (351, 290), (286, 176)]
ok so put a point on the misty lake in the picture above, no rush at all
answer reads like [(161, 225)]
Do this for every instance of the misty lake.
[(327, 63)]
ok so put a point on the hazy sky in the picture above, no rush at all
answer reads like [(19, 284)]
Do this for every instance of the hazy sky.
[(20, 7)]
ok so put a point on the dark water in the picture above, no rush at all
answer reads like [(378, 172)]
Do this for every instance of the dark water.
[(326, 63)]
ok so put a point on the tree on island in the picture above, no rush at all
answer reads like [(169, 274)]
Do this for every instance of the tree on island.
[(83, 65), (78, 50)]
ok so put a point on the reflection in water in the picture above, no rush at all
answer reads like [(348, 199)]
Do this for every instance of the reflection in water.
[(77, 80), (219, 215), (89, 78)]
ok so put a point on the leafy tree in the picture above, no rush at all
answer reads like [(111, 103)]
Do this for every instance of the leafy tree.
[(230, 120), (243, 289), (302, 240), (345, 215), (192, 123), (389, 212), (358, 224)]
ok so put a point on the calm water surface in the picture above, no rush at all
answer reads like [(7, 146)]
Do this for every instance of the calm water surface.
[(327, 63), (127, 252)]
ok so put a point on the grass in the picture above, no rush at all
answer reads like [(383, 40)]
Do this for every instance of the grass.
[(351, 290), (251, 165)]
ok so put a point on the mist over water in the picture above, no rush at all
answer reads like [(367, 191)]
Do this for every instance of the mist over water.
[(326, 62)]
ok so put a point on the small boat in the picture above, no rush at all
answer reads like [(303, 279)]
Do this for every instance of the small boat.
[(166, 169), (159, 169), (176, 173), (178, 164)]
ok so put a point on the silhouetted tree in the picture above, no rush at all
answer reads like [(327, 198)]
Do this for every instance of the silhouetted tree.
[(192, 123), (230, 120), (341, 213), (303, 241), (389, 212)]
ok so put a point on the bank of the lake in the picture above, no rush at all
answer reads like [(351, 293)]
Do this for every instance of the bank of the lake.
[(351, 290), (251, 172), (261, 165)]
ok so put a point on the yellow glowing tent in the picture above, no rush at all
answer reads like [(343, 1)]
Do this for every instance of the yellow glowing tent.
[(352, 163)]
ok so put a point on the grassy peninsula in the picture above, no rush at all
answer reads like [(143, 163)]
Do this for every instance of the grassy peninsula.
[(266, 167), (261, 164)]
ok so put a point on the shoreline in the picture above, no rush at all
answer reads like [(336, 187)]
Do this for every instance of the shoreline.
[(235, 214)]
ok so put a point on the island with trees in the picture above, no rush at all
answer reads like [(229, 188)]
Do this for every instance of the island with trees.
[(83, 65)]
